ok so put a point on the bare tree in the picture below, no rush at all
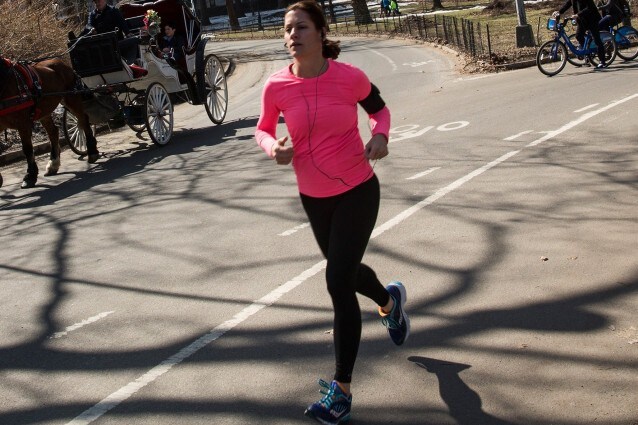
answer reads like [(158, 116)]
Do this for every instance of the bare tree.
[(361, 12), (232, 17)]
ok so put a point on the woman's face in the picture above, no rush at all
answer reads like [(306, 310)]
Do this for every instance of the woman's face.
[(301, 35)]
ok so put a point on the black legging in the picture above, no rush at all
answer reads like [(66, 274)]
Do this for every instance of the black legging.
[(590, 24), (342, 226)]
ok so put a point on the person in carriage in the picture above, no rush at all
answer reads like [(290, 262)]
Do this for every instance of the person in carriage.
[(106, 18), (172, 43)]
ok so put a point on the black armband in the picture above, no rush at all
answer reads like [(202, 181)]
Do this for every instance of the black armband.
[(373, 103)]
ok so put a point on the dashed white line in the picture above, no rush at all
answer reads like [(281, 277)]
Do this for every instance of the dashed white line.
[(593, 105), (390, 61), (516, 136), (424, 173), (579, 120), (294, 229), (80, 324), (131, 388)]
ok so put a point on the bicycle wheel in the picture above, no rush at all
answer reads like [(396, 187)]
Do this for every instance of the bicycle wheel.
[(551, 57), (574, 59), (610, 49), (627, 42)]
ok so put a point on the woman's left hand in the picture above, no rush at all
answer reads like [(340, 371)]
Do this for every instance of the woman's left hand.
[(377, 147)]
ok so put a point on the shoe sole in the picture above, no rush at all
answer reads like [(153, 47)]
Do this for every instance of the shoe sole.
[(343, 420), (404, 298)]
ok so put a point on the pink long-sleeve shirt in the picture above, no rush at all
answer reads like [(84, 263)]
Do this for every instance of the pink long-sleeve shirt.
[(322, 120)]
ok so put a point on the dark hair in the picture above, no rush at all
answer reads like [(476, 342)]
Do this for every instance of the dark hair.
[(331, 48), (171, 24)]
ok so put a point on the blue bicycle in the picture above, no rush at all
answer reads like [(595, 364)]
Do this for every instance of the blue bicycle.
[(626, 38), (554, 54)]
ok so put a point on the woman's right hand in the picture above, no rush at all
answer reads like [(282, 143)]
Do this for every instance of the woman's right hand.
[(282, 154)]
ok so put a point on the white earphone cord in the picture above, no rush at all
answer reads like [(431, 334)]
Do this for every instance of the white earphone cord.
[(311, 127)]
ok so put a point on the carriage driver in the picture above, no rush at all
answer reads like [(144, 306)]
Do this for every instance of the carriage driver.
[(106, 18)]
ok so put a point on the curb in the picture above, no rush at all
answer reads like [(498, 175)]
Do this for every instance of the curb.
[(517, 65), (38, 149)]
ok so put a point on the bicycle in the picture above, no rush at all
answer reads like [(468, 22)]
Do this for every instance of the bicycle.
[(626, 38), (553, 54)]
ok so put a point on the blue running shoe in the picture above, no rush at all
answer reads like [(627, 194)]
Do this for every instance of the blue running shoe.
[(333, 408), (397, 320)]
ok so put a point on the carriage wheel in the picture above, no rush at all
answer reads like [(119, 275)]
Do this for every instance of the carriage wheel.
[(216, 102), (138, 100), (159, 114), (73, 134)]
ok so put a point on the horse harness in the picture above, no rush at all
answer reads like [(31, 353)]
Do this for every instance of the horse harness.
[(29, 89)]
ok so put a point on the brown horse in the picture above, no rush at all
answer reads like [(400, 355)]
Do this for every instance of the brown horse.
[(31, 92)]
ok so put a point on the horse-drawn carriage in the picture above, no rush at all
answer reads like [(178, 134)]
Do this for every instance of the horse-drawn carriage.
[(140, 92), (101, 85)]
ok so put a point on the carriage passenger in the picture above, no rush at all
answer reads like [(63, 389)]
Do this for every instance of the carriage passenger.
[(172, 42)]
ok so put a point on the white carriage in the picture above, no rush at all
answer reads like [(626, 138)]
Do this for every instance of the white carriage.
[(140, 90)]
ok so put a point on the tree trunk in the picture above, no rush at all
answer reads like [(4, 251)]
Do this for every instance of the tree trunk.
[(333, 17), (239, 9), (361, 12), (203, 15), (232, 18)]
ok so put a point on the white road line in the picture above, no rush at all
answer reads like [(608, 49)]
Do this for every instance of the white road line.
[(516, 136), (294, 229), (424, 173), (593, 105), (394, 65), (479, 77), (579, 120), (439, 194), (131, 388), (80, 324)]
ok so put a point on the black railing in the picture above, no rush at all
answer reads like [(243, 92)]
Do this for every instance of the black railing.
[(465, 35)]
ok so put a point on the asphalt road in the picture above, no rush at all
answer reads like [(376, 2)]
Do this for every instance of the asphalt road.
[(182, 285)]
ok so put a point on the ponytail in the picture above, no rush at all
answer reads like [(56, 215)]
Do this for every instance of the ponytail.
[(331, 49)]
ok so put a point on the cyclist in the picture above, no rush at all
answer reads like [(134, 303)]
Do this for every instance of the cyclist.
[(587, 16), (613, 14)]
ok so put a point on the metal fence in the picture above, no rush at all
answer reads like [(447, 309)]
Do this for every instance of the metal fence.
[(463, 34)]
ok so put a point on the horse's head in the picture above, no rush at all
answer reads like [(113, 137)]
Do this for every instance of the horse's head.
[(5, 65)]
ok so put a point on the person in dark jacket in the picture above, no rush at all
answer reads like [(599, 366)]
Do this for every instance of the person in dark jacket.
[(105, 18), (172, 41), (613, 14), (586, 13)]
